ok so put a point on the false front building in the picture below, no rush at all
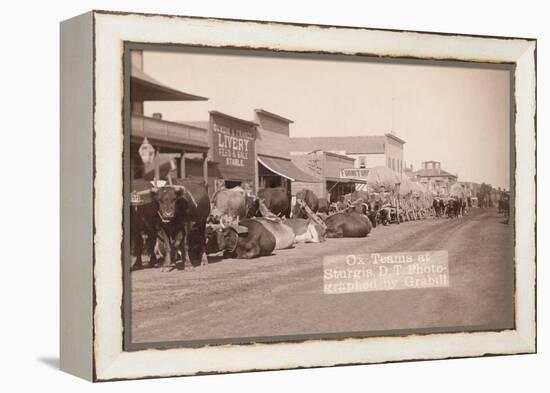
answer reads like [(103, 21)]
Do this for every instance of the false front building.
[(342, 162), (274, 165), (251, 154), (328, 169), (366, 151), (233, 142)]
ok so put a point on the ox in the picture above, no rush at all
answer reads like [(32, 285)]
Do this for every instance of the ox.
[(437, 207), (262, 237), (143, 228), (363, 203), (359, 199), (348, 224), (233, 203), (441, 207), (323, 206), (452, 207), (310, 200), (182, 209), (276, 200)]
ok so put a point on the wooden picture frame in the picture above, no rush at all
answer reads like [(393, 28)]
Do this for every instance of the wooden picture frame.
[(93, 248)]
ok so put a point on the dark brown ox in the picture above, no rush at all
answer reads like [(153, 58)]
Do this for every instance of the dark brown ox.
[(348, 224), (143, 218), (261, 238), (323, 206), (310, 200), (276, 200), (182, 211)]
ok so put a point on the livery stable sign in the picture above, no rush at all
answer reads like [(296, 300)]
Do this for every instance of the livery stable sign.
[(233, 146)]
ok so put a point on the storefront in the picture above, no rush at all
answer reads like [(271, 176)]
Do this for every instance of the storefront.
[(328, 169), (358, 174), (275, 168), (233, 142), (168, 141)]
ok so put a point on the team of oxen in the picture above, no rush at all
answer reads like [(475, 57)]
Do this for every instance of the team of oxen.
[(178, 225)]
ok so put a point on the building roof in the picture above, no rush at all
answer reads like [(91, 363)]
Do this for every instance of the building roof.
[(202, 124), (145, 88), (287, 169), (273, 115), (433, 172), (169, 134), (395, 137), (343, 157), (247, 122), (372, 144), (345, 180)]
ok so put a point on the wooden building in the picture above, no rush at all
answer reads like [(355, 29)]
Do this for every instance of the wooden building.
[(327, 168), (233, 143), (172, 141), (273, 144), (366, 151), (434, 178)]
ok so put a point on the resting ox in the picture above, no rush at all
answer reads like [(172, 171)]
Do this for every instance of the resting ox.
[(261, 238), (348, 224)]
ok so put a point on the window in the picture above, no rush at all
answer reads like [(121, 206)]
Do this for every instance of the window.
[(362, 162)]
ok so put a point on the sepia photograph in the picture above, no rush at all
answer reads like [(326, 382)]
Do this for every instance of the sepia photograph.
[(279, 196), (256, 195)]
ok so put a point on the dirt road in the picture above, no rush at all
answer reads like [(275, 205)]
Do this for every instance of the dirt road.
[(283, 294)]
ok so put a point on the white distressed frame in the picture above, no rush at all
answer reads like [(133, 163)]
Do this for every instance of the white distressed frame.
[(111, 30)]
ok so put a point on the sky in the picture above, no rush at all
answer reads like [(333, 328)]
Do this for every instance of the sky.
[(456, 115)]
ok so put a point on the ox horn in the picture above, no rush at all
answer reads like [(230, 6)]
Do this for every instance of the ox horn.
[(241, 229), (213, 226)]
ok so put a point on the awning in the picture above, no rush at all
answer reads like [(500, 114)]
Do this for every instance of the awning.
[(286, 169), (338, 179), (146, 88), (345, 180)]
